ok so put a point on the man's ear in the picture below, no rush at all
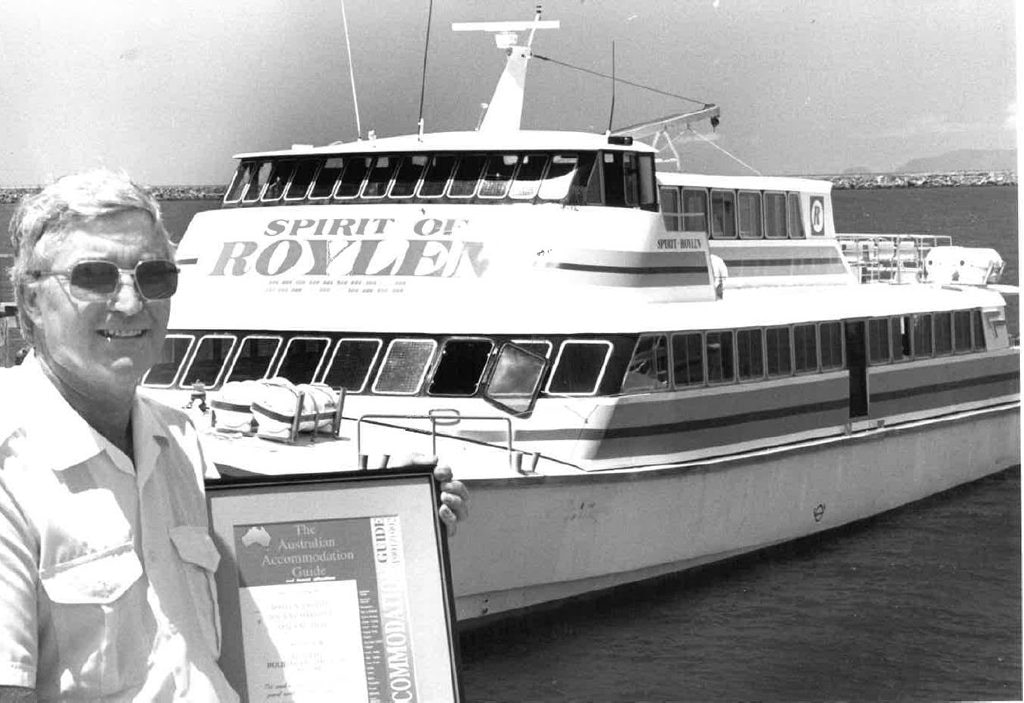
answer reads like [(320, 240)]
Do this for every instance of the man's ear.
[(30, 302)]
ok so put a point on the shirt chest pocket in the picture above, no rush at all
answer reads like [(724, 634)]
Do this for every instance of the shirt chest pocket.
[(96, 605), (200, 559)]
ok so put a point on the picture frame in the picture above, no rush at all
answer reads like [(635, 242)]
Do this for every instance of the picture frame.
[(334, 586)]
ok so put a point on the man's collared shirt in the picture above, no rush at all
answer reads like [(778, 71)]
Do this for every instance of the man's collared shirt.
[(106, 563)]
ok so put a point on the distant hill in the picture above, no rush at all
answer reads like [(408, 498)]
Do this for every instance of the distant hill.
[(963, 160)]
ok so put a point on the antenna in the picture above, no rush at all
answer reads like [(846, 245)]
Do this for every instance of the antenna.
[(611, 113), (423, 82), (351, 72)]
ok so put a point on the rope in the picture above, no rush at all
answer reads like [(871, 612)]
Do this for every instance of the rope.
[(734, 158), (351, 71), (620, 80)]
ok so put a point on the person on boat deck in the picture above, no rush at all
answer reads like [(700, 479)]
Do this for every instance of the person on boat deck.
[(106, 564)]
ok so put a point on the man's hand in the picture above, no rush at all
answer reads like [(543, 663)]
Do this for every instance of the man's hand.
[(454, 495)]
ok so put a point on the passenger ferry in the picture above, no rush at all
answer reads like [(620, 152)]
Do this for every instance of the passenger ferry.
[(634, 371)]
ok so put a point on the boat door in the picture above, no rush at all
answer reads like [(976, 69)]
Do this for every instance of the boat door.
[(857, 364)]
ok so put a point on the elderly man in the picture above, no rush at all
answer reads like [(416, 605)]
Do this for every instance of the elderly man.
[(106, 564)]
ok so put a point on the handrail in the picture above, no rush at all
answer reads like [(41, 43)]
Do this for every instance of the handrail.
[(889, 258)]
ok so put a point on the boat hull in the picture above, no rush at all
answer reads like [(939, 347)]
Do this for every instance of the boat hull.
[(536, 540)]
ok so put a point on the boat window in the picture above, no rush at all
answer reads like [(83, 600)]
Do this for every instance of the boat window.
[(995, 327), (380, 177), (514, 383), (723, 214), (878, 340), (277, 180), (718, 351), (326, 178), (404, 366), (695, 210), (648, 369), (540, 347), (302, 358), (410, 168), (922, 336), (586, 187), (648, 193), (257, 180), (165, 370), (777, 349), (254, 357), (559, 177), (351, 181), (208, 361), (750, 354), (670, 208), (805, 348), (962, 330), (467, 173), (579, 367), (899, 333), (614, 181), (750, 215), (238, 183), (435, 180), (688, 359), (498, 175), (796, 218), (528, 178), (830, 337), (304, 172), (978, 327), (460, 367), (775, 216), (942, 326), (350, 365), (631, 179)]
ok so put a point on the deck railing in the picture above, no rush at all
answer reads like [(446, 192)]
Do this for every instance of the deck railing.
[(890, 258)]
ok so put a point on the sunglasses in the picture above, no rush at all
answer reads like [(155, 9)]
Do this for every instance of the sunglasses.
[(99, 280)]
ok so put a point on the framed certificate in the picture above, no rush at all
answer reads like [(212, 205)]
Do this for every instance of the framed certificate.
[(334, 587)]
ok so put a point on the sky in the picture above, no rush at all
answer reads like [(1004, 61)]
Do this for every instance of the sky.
[(171, 90)]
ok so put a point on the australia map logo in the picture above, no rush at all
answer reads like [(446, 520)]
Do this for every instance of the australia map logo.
[(256, 535)]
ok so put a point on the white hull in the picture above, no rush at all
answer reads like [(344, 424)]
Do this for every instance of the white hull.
[(543, 539)]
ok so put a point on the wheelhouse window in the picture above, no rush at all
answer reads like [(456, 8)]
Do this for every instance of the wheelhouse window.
[(435, 180), (208, 361), (878, 340), (723, 214), (922, 336), (795, 218), (688, 359), (900, 333), (242, 177), (749, 354), (648, 369), (379, 178), (978, 331), (254, 357), (777, 351), (750, 215), (174, 351), (467, 174), (805, 348), (540, 347), (579, 367), (328, 175), (942, 326), (695, 210), (305, 170), (280, 174), (258, 179), (718, 352), (527, 182), (351, 363), (407, 176), (404, 366), (351, 181), (302, 358), (962, 330), (460, 367), (497, 178), (775, 226), (830, 335), (671, 208), (559, 177)]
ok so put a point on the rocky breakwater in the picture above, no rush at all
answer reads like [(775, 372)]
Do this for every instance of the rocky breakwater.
[(852, 181), (13, 195)]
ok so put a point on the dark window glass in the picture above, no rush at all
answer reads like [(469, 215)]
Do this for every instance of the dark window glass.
[(351, 364), (352, 177), (718, 351), (775, 216), (900, 333), (258, 179), (962, 330), (208, 361), (631, 178), (254, 357), (688, 359), (467, 173), (648, 369), (410, 168), (498, 175), (379, 179), (750, 215), (579, 367), (978, 338), (404, 366), (777, 350), (805, 348), (304, 172), (648, 193), (460, 367), (750, 354), (302, 358), (723, 214), (830, 335), (559, 177), (540, 348), (614, 180), (922, 335), (240, 181), (695, 210), (528, 178), (586, 188), (325, 179), (175, 349), (436, 178), (670, 208), (943, 332), (796, 219), (878, 341), (279, 175)]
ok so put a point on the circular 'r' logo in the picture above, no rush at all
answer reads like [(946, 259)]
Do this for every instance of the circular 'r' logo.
[(817, 216)]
